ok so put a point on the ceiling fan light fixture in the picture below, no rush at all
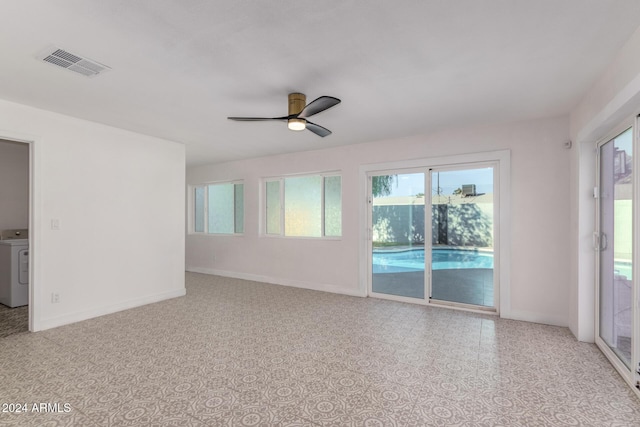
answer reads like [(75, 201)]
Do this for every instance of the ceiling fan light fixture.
[(299, 111), (297, 124)]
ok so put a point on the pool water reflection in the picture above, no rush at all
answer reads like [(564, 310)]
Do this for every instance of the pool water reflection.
[(399, 261)]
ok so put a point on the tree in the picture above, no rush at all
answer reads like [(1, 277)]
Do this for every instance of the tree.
[(381, 185)]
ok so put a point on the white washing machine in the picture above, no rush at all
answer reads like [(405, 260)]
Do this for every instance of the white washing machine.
[(14, 272)]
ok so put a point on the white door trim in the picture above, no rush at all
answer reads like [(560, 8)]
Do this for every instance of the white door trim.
[(35, 298)]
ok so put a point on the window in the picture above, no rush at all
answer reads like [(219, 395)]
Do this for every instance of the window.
[(273, 207), (199, 210), (304, 206), (219, 208)]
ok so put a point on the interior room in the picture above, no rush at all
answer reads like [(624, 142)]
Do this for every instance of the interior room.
[(14, 223), (320, 213)]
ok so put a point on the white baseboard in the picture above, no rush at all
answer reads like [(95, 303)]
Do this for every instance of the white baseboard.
[(534, 317), (109, 309), (279, 281)]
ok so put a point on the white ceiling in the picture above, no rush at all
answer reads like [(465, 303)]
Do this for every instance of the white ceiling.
[(404, 67)]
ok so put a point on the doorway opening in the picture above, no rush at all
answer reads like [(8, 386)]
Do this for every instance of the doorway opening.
[(15, 178)]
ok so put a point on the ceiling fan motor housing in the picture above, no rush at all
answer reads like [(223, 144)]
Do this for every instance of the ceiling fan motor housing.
[(297, 102)]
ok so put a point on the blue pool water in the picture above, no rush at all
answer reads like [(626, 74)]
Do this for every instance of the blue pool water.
[(448, 259), (442, 259), (622, 268)]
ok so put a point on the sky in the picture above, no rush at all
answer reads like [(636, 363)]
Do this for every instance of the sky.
[(412, 184)]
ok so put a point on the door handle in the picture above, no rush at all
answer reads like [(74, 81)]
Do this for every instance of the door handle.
[(600, 241)]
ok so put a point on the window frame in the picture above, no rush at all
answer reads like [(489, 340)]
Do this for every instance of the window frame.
[(281, 180), (205, 188)]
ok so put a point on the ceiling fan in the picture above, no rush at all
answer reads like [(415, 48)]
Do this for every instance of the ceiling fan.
[(298, 113)]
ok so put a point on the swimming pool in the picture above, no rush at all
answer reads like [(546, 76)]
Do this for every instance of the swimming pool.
[(623, 268), (442, 259), (449, 259)]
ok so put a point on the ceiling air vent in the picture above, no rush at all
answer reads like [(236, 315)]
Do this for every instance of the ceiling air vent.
[(72, 62)]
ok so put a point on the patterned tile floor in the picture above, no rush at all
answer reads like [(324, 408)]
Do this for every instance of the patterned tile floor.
[(234, 352), (13, 320)]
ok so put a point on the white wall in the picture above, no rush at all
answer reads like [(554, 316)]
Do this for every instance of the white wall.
[(119, 198), (14, 185), (539, 214), (613, 98)]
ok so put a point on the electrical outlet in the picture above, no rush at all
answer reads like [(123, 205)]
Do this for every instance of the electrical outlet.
[(55, 298)]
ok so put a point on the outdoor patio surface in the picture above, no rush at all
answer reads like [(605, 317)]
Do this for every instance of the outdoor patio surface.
[(465, 285)]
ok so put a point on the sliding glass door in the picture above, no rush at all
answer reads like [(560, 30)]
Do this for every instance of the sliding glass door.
[(614, 244), (462, 225), (398, 234), (434, 246)]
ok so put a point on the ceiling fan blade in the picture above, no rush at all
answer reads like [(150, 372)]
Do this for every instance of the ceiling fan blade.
[(318, 130), (318, 105), (255, 119)]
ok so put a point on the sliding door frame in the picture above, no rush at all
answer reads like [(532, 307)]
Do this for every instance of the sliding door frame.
[(631, 376), (370, 291), (502, 245), (496, 234)]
